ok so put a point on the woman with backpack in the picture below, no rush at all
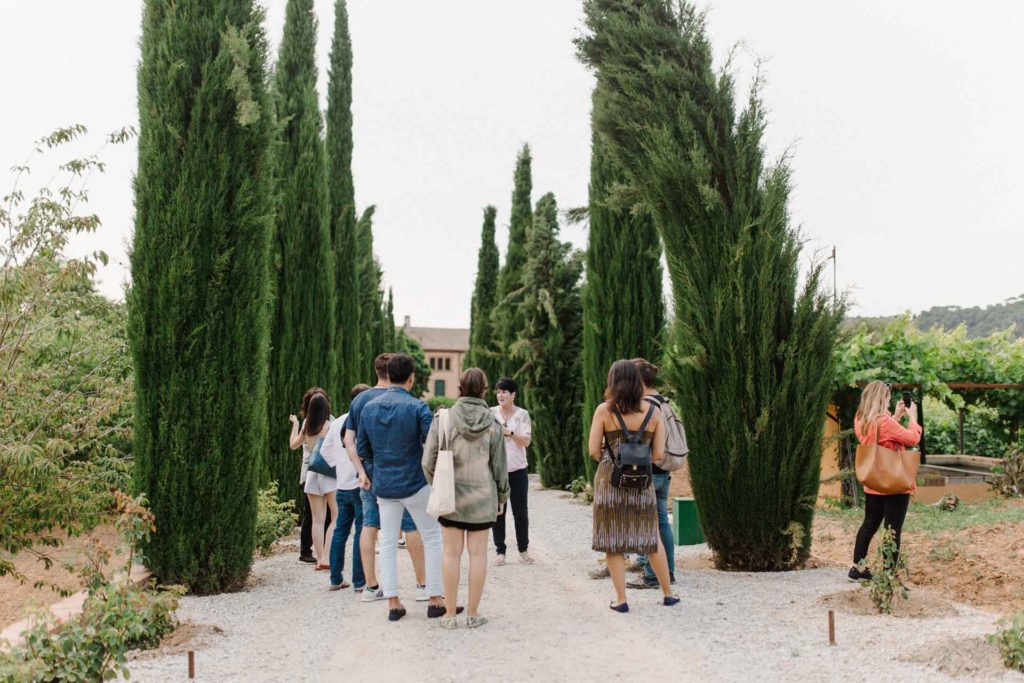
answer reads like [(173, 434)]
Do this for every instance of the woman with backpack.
[(319, 488), (627, 437)]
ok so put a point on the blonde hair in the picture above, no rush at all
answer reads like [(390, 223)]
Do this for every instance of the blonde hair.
[(874, 403)]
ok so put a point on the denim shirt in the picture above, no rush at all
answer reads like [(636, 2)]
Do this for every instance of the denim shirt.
[(391, 432)]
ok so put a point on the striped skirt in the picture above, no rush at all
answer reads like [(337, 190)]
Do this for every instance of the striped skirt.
[(625, 520)]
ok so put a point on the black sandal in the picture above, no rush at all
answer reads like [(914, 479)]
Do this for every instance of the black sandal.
[(621, 608)]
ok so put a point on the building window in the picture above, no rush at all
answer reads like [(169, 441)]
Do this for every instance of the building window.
[(433, 365), (447, 363), (438, 387)]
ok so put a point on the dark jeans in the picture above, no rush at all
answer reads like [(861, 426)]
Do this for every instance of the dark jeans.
[(306, 527), (519, 483), (350, 510), (889, 509), (662, 480)]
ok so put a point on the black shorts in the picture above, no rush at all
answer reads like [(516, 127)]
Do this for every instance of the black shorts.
[(465, 526)]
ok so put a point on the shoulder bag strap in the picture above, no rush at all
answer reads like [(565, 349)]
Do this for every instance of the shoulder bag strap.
[(443, 440), (647, 420)]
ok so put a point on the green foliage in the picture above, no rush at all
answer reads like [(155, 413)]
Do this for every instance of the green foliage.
[(1010, 641), (581, 486), (409, 346), (274, 519), (302, 352), (887, 573), (375, 329), (751, 350), (548, 351), (116, 618), (1009, 476), (66, 387), (507, 321), (623, 310), (342, 211), (983, 431), (435, 402), (979, 321), (199, 304), (481, 352)]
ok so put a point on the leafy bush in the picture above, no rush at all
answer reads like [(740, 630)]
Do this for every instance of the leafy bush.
[(887, 573), (983, 433), (1010, 641), (116, 617), (436, 402), (1009, 476), (581, 486), (274, 518)]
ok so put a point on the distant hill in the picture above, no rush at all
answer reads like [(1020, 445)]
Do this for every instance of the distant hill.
[(981, 321)]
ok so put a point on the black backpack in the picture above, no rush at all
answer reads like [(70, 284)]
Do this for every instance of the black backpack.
[(632, 469)]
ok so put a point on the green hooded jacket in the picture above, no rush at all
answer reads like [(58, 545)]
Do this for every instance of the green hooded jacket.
[(481, 471)]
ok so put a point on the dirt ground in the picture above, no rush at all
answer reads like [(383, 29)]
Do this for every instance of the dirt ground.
[(982, 566), (17, 598)]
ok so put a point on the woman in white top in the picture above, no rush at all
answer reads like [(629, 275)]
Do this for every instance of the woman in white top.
[(517, 428), (319, 488)]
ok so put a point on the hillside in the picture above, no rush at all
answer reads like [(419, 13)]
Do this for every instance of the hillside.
[(981, 321)]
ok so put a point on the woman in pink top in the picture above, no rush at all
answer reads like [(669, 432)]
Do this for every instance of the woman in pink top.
[(873, 419)]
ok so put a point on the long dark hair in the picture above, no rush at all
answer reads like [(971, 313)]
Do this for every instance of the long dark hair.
[(625, 389), (313, 391), (317, 412)]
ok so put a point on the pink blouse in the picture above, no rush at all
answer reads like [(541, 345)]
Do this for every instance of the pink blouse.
[(891, 434)]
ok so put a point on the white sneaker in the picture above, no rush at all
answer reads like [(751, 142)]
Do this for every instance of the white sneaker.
[(421, 594), (372, 594)]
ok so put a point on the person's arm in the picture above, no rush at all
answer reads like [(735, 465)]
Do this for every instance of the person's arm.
[(660, 439), (522, 436), (296, 438), (596, 440), (364, 449), (499, 466), (894, 431), (430, 448), (425, 420)]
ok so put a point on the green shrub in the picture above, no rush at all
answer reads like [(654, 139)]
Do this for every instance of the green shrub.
[(581, 486), (1010, 641), (436, 402), (274, 518), (887, 573), (1009, 476)]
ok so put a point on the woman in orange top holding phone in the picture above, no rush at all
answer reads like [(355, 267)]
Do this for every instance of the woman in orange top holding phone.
[(873, 419)]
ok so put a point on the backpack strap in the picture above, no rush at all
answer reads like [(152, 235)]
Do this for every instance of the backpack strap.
[(647, 419), (622, 423)]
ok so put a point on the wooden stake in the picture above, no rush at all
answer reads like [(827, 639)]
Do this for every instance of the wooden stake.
[(831, 627), (192, 663)]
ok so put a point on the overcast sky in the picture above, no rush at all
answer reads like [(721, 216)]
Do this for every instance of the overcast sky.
[(903, 119)]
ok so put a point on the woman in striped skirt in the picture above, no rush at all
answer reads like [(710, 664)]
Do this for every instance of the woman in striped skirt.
[(626, 519)]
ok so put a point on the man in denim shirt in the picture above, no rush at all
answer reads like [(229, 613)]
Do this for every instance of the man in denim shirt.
[(392, 430)]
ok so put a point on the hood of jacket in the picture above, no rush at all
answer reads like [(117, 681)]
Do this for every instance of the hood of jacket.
[(470, 418)]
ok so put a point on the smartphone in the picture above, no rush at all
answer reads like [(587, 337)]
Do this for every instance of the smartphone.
[(907, 398)]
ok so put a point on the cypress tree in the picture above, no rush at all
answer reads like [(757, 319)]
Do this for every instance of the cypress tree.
[(302, 334), (549, 351), (752, 347), (199, 301), (485, 293), (342, 212), (623, 310), (390, 331), (371, 316), (508, 322)]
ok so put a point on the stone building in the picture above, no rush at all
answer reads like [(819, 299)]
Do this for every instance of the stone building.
[(445, 349)]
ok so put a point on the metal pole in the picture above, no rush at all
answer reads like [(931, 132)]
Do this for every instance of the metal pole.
[(191, 664), (835, 280), (831, 627)]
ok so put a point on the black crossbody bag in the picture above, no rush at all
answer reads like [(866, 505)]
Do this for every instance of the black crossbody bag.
[(632, 469)]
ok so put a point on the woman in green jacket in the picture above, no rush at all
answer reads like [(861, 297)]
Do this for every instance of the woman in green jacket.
[(481, 490)]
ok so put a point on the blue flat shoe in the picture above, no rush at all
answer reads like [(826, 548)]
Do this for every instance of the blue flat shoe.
[(670, 600), (621, 608)]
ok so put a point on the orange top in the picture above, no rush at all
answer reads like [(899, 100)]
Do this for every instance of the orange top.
[(891, 434)]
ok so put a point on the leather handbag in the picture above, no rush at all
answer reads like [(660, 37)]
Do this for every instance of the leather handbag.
[(632, 468), (318, 464), (886, 470), (442, 490)]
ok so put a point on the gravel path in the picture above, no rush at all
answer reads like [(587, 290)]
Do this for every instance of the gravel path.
[(550, 621)]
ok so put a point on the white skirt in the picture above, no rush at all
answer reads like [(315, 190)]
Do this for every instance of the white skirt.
[(320, 484)]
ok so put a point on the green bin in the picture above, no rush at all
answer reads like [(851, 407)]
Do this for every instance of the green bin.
[(686, 522)]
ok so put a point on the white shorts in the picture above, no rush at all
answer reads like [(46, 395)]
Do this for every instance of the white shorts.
[(320, 484)]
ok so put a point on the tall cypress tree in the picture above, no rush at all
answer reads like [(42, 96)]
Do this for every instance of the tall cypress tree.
[(199, 302), (342, 211), (623, 309), (302, 335), (390, 331), (371, 301), (508, 322), (753, 347), (485, 293), (549, 349)]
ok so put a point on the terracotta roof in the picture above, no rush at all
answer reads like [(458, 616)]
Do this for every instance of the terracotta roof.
[(440, 338)]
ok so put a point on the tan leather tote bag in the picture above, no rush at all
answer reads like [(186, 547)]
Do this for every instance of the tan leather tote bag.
[(886, 470)]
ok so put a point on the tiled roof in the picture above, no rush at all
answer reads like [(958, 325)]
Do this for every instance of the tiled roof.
[(440, 338)]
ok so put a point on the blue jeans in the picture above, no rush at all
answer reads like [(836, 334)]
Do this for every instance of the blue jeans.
[(661, 484), (350, 509)]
